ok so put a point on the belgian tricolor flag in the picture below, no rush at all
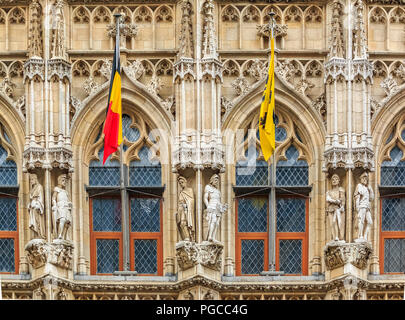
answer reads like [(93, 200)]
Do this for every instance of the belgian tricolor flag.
[(113, 121)]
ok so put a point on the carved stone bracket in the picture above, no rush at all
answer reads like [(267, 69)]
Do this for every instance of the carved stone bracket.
[(348, 158), (264, 30), (59, 253), (34, 67), (190, 254), (58, 157), (338, 254), (362, 68), (336, 67), (59, 68), (184, 67), (37, 252), (186, 153)]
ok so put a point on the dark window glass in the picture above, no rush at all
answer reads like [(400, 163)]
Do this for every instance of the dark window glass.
[(252, 215), (146, 256), (292, 172), (7, 252), (291, 215), (394, 255), (107, 255), (8, 214), (145, 172), (291, 256), (252, 256), (145, 215), (106, 214)]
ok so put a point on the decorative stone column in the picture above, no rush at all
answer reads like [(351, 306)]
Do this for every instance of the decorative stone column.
[(348, 149), (47, 151), (198, 151)]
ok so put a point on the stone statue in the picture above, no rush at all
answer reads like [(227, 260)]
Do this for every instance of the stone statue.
[(36, 208), (58, 37), (363, 196), (335, 199), (185, 214), (61, 209), (215, 209)]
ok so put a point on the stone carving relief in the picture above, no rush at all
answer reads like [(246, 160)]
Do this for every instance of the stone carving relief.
[(61, 209), (90, 86), (35, 33), (337, 46), (320, 105), (241, 86), (363, 196), (214, 208), (185, 214), (264, 30), (257, 69), (58, 49), (390, 86), (7, 87), (335, 210), (135, 70), (186, 31), (36, 208), (155, 85), (127, 30), (338, 254), (189, 254)]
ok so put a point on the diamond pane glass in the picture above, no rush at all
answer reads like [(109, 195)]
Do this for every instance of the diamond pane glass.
[(8, 214), (292, 172), (132, 134), (104, 175), (393, 172), (252, 215), (393, 214), (8, 170), (252, 256), (290, 215), (145, 172), (290, 252), (146, 256), (394, 255), (108, 255), (106, 214), (252, 172), (7, 255), (145, 215)]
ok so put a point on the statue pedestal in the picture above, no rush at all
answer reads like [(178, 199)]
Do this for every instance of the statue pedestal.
[(50, 258), (347, 258), (199, 258)]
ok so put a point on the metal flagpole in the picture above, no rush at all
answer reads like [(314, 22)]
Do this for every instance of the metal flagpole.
[(124, 200), (272, 195)]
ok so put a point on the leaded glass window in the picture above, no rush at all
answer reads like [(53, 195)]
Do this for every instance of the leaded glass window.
[(252, 215), (393, 172), (145, 256), (291, 214), (252, 172), (7, 255), (292, 172), (290, 253), (8, 170), (145, 172), (394, 255), (252, 256), (104, 175), (107, 255)]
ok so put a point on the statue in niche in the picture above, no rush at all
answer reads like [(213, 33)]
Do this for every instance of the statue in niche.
[(61, 208), (185, 214), (215, 209), (36, 208), (363, 195), (335, 199), (58, 37)]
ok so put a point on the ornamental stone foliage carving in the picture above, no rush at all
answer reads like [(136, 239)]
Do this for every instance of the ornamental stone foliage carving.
[(264, 30), (90, 86), (190, 254), (155, 85), (320, 105), (134, 70), (338, 254), (35, 46), (241, 86), (390, 86), (7, 87), (127, 30), (258, 69)]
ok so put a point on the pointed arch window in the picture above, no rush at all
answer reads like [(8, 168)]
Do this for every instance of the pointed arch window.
[(8, 210), (261, 244), (130, 241), (392, 228)]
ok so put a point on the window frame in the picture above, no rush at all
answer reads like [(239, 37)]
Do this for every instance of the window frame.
[(387, 235), (136, 235), (239, 236)]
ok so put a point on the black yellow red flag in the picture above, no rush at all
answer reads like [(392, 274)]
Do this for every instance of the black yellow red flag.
[(113, 121)]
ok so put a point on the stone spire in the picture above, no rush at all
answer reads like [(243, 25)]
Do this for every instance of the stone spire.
[(35, 46), (186, 33), (209, 49), (337, 46)]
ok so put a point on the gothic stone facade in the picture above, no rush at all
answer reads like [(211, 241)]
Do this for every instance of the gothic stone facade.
[(193, 72)]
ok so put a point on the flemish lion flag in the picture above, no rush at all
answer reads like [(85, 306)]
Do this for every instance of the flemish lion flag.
[(113, 121), (267, 129)]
